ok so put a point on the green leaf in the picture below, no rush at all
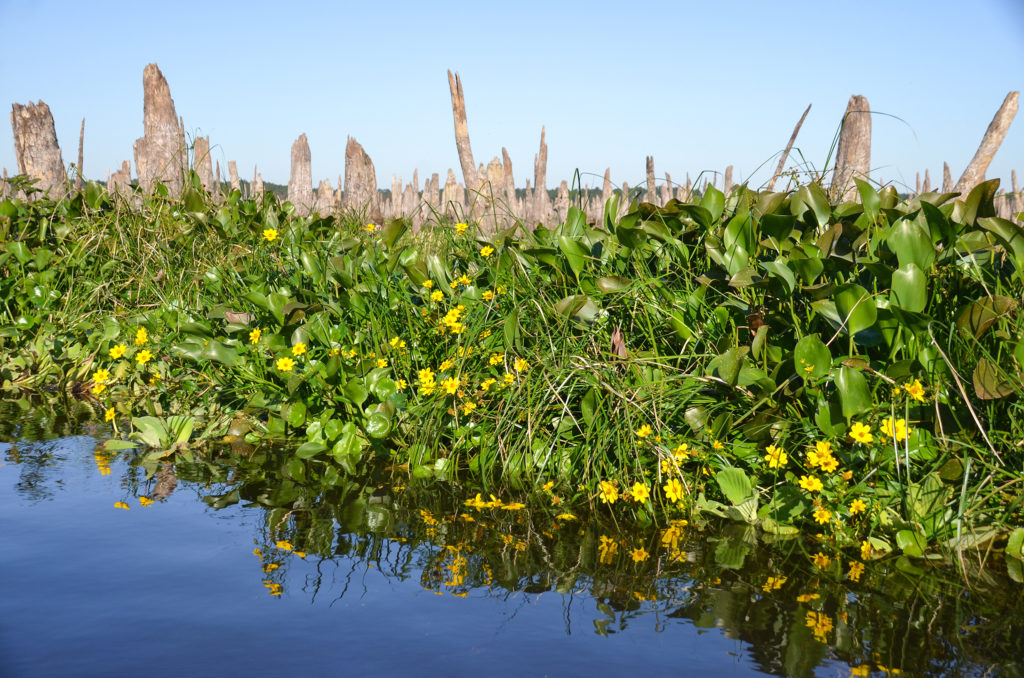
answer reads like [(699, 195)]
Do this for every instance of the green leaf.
[(854, 395), (812, 357), (575, 253), (990, 382), (1015, 545), (589, 405), (612, 283), (911, 543), (309, 449), (713, 201), (982, 313), (927, 498), (735, 485), (910, 288), (297, 414), (378, 425), (911, 244), (118, 445), (150, 431), (980, 201), (869, 198), (856, 307)]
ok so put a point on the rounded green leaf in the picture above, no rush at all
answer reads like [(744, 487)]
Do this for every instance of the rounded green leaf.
[(856, 307), (912, 244), (909, 288), (812, 357), (378, 425), (854, 394)]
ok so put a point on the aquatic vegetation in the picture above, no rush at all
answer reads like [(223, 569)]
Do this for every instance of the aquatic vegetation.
[(850, 371)]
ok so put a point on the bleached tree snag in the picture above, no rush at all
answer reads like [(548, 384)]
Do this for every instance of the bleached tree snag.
[(652, 194), (324, 203), (300, 181), (216, 180), (947, 179), (160, 154), (624, 202), (917, 185), (509, 183), (541, 208), (453, 198), (469, 170), (236, 185), (201, 162), (432, 192), (562, 202), (120, 182), (1018, 199), (727, 186), (994, 135), (926, 187), (606, 189), (789, 147), (689, 187), (81, 158), (667, 192), (36, 148), (360, 180), (853, 157), (256, 190)]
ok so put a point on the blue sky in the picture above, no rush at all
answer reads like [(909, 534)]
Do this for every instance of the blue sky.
[(697, 85)]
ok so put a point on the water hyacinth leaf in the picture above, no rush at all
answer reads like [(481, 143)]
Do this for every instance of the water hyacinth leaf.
[(1009, 234), (393, 231), (589, 405), (612, 283), (781, 271), (713, 201), (854, 394), (1015, 544), (982, 313), (735, 485), (575, 253), (812, 357), (355, 391), (927, 498), (727, 365), (778, 227), (309, 449), (979, 202), (119, 445), (869, 198), (910, 288), (912, 543), (740, 233), (378, 425), (297, 414), (856, 307), (911, 244), (990, 382)]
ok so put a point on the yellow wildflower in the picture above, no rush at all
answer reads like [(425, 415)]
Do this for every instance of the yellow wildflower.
[(382, 363), (639, 554), (450, 385), (98, 388), (640, 492), (370, 228), (811, 483), (487, 383), (829, 464), (682, 452), (496, 359), (856, 570), (520, 365), (285, 364), (427, 284), (109, 414), (644, 431), (897, 430), (717, 445), (807, 597), (254, 336), (101, 376), (401, 384), (461, 228), (609, 493), (397, 343), (117, 351), (915, 390), (509, 378), (141, 337), (861, 432), (565, 516), (821, 561), (776, 457), (487, 295), (773, 584), (436, 296), (468, 407), (857, 506), (298, 349), (822, 515), (673, 490), (446, 365), (487, 251), (270, 234), (143, 357)]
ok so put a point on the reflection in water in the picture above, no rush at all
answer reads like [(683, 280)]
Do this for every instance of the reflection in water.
[(321, 535)]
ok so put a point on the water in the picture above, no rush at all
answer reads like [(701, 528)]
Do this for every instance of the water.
[(409, 581)]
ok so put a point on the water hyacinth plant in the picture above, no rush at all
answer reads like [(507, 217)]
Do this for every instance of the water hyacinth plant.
[(851, 371)]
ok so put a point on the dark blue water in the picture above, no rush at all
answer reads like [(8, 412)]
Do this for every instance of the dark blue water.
[(175, 588)]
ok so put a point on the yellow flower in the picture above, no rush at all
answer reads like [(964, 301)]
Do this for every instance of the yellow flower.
[(270, 234), (718, 446), (300, 554), (109, 415), (121, 505), (446, 365), (861, 432), (807, 597), (145, 501), (644, 431), (425, 376), (101, 376), (857, 506), (822, 515), (640, 492), (370, 228), (270, 567), (565, 516), (397, 343), (682, 452), (487, 383), (382, 363), (285, 364), (143, 357), (427, 284), (450, 385), (810, 483), (856, 570), (776, 457), (461, 228), (254, 336), (117, 351), (865, 550), (609, 493), (468, 407), (155, 379), (436, 296), (520, 365), (828, 464), (639, 554), (298, 349), (821, 561), (284, 544), (141, 337), (509, 378), (487, 251), (897, 430), (496, 359), (915, 390), (773, 584), (98, 388), (488, 295), (401, 384), (673, 490)]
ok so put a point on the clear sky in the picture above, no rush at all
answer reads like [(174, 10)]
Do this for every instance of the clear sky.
[(698, 85)]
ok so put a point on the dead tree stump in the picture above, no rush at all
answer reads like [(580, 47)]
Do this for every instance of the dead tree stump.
[(36, 148)]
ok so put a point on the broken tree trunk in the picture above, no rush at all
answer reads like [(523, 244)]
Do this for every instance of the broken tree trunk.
[(236, 185), (727, 186), (926, 187), (652, 193), (160, 154), (81, 158), (994, 135), (256, 190), (300, 181), (324, 203), (120, 182), (541, 208), (360, 193), (201, 162), (789, 147), (469, 171), (853, 157), (947, 179), (36, 148)]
